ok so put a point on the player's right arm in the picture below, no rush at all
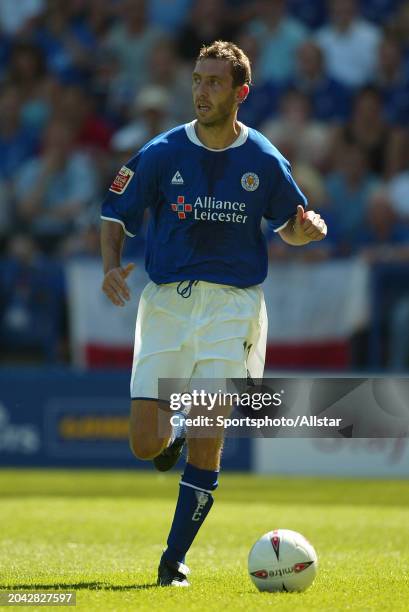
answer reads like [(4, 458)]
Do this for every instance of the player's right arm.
[(114, 284), (122, 212)]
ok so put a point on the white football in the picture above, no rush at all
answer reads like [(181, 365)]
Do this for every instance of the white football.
[(282, 560)]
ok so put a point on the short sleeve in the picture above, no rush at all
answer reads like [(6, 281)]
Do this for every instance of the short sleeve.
[(132, 191), (285, 196)]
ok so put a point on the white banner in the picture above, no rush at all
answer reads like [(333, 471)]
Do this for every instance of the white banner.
[(314, 302), (93, 318)]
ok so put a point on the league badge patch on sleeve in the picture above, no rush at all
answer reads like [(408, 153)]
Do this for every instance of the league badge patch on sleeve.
[(122, 180)]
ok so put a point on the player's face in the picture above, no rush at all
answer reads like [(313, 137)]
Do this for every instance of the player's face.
[(214, 96)]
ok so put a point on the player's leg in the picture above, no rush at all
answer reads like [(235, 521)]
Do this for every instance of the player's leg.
[(205, 453), (195, 500), (234, 320), (159, 353), (148, 439), (152, 436), (200, 476)]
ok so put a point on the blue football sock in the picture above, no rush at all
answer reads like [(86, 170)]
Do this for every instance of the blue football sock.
[(194, 503)]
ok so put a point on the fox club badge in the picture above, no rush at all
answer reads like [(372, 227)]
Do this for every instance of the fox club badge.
[(250, 181)]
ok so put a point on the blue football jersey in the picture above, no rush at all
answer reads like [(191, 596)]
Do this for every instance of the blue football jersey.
[(206, 205)]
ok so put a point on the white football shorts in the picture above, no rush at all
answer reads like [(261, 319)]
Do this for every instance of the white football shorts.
[(218, 332)]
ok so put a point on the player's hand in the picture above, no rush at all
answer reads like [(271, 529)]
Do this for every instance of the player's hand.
[(114, 284), (308, 224)]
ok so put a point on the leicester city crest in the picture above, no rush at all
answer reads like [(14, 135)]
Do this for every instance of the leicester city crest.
[(250, 181)]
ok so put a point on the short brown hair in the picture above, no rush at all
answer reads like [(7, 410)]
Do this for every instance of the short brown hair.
[(239, 62)]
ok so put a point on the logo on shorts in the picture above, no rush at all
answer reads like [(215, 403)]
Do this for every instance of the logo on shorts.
[(181, 208), (250, 181), (122, 180)]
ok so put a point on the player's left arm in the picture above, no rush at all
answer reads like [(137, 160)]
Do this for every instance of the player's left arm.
[(286, 206), (304, 227)]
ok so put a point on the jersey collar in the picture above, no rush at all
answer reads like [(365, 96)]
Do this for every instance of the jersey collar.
[(191, 134)]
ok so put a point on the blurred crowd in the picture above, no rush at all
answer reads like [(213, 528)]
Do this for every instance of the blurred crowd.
[(85, 83)]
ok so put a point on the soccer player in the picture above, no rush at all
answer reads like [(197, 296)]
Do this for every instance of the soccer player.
[(207, 185)]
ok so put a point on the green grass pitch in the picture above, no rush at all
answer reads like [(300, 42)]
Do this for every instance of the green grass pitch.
[(101, 533)]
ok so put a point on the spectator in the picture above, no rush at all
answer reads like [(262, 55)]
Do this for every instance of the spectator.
[(31, 300), (90, 20), (330, 100), (391, 81), (28, 73), (68, 45), (54, 189), (240, 12), (84, 243), (398, 27), (383, 235), (169, 15), (349, 44), (386, 240), (398, 192), (167, 71), (17, 141), (77, 106), (262, 101), (6, 211), (5, 48), (367, 128), (280, 36), (131, 40), (398, 341), (207, 21), (107, 83), (299, 138), (150, 119), (91, 131), (349, 187), (378, 11), (16, 16), (312, 14)]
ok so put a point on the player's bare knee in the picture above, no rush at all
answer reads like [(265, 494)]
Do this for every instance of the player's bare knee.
[(145, 440), (146, 448)]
